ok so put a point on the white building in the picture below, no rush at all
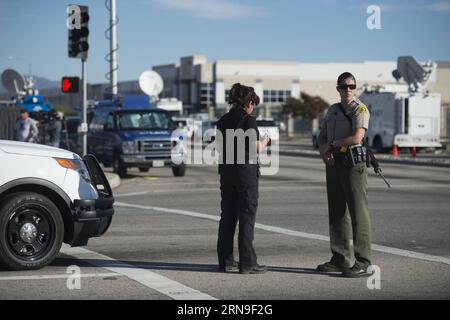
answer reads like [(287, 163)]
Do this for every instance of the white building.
[(200, 84)]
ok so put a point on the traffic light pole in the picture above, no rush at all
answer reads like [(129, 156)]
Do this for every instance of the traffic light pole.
[(84, 127)]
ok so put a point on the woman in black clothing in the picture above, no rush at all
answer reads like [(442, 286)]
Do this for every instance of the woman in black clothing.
[(239, 178)]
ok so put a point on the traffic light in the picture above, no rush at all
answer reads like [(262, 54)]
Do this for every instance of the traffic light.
[(79, 32), (70, 84)]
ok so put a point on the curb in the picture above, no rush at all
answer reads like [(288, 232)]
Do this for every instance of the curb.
[(113, 179), (380, 158)]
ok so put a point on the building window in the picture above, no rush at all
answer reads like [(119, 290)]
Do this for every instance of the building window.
[(207, 94), (276, 96)]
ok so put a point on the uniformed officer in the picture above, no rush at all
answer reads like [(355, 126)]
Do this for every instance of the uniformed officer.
[(239, 181), (344, 126)]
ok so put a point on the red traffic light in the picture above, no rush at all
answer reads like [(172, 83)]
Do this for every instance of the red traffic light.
[(70, 84), (84, 17)]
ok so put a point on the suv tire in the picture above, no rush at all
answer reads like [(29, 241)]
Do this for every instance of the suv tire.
[(31, 231), (119, 166), (179, 171), (378, 144)]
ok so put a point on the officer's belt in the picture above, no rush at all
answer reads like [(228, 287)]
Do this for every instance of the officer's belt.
[(340, 150)]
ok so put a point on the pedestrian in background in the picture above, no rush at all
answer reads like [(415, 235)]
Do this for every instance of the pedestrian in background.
[(239, 181), (26, 129), (343, 132), (54, 129)]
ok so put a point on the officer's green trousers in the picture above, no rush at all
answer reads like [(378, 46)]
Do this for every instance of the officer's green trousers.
[(347, 188)]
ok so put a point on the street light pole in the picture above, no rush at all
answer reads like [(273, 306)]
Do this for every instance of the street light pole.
[(84, 124), (113, 47)]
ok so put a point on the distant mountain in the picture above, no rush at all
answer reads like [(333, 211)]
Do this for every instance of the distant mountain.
[(39, 83)]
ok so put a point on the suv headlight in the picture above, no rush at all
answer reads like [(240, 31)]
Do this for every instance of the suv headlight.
[(129, 146), (76, 165)]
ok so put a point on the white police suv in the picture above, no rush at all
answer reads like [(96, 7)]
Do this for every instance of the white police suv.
[(48, 196)]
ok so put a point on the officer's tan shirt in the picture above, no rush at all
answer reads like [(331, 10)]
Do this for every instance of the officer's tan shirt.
[(337, 125)]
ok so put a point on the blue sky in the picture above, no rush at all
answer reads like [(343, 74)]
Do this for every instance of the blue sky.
[(152, 32)]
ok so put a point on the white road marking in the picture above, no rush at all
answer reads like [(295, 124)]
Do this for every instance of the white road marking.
[(58, 276), (145, 277), (131, 194), (379, 186), (187, 189), (375, 247), (175, 211)]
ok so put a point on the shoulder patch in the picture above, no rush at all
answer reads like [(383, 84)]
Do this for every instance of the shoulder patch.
[(362, 108)]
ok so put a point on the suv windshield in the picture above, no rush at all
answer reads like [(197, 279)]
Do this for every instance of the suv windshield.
[(144, 120)]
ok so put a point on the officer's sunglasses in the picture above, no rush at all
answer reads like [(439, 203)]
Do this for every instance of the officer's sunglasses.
[(347, 86)]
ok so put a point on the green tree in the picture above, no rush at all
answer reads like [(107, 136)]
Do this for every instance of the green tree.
[(308, 107)]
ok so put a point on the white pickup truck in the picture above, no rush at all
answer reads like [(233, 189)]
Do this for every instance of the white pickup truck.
[(48, 196)]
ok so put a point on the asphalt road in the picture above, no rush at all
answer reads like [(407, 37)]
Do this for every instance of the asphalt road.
[(162, 242)]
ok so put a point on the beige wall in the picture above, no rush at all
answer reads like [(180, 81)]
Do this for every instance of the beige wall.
[(205, 73), (270, 83), (314, 78), (442, 84), (327, 89)]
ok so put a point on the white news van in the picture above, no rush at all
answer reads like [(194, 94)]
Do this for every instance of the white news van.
[(402, 118), (405, 115)]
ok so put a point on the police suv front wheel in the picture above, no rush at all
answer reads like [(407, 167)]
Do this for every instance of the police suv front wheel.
[(119, 166), (179, 171), (31, 231)]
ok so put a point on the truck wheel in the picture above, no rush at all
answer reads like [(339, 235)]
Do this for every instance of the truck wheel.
[(31, 231), (179, 171), (378, 144), (119, 167), (144, 169)]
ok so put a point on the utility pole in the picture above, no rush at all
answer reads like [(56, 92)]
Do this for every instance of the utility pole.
[(113, 47), (84, 128)]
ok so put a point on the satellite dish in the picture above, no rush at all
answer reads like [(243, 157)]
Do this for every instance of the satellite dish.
[(396, 75), (151, 83), (12, 81), (415, 74)]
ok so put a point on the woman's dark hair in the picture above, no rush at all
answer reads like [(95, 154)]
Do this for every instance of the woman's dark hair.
[(345, 76), (241, 95)]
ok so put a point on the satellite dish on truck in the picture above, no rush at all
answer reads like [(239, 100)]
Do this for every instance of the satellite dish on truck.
[(151, 83), (12, 81), (415, 74)]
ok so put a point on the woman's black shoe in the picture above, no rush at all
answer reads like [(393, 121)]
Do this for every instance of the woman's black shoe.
[(229, 268), (253, 270)]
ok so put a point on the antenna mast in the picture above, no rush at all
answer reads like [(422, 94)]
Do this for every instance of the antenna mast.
[(111, 57)]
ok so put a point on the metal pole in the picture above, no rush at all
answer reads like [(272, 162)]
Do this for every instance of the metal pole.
[(113, 48), (84, 124)]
